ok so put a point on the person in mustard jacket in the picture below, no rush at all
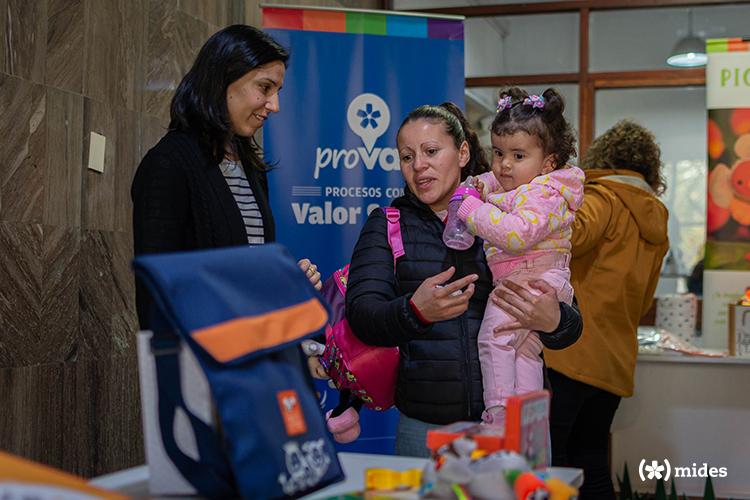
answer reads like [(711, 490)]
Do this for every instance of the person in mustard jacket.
[(618, 243)]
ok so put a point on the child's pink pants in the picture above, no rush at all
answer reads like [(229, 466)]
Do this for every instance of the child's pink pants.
[(510, 360)]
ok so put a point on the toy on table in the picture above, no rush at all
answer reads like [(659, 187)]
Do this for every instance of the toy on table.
[(526, 430), (450, 468), (492, 462), (391, 484), (745, 300), (527, 485), (460, 469), (488, 438), (560, 490), (389, 479)]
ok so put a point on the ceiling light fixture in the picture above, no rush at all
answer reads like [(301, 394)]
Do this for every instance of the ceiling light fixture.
[(690, 51)]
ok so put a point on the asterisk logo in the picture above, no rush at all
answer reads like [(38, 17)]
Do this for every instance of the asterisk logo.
[(654, 470), (369, 116)]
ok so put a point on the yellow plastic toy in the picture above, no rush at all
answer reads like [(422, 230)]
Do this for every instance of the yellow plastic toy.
[(560, 490), (388, 479)]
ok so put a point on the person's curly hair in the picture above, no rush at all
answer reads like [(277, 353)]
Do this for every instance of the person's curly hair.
[(628, 146)]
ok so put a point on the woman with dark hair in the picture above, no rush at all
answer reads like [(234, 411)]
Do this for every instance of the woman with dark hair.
[(431, 305), (204, 184)]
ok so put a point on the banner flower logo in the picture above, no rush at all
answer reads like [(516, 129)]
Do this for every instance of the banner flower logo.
[(368, 117)]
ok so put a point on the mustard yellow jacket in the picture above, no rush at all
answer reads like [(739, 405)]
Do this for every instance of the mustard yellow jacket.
[(619, 240)]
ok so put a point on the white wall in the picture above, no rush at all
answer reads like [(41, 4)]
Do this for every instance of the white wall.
[(548, 43), (643, 39), (512, 45)]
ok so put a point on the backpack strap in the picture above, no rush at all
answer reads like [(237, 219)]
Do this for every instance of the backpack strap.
[(340, 277), (211, 474), (393, 216)]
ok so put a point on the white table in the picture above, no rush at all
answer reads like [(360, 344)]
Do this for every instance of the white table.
[(687, 410), (134, 481)]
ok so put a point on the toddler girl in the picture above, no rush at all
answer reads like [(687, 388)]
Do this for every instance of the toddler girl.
[(524, 217)]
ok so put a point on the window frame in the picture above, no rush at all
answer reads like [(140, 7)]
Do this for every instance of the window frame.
[(588, 82)]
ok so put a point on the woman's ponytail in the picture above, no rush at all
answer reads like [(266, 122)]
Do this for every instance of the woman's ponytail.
[(477, 159)]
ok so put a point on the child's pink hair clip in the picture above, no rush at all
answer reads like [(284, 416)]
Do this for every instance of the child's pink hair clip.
[(504, 103), (535, 101)]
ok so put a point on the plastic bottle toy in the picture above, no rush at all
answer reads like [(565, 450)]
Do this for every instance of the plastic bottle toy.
[(456, 234)]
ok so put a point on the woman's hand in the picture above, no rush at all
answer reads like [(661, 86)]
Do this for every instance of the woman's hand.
[(311, 271), (540, 313), (437, 302), (316, 369)]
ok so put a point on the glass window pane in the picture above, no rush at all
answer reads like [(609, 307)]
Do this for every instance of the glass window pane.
[(481, 105), (439, 4), (634, 39), (683, 152), (521, 45)]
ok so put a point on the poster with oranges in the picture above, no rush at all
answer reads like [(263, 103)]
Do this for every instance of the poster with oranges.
[(728, 197), (727, 261), (728, 203)]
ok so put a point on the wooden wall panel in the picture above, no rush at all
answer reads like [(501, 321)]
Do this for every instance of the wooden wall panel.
[(68, 374)]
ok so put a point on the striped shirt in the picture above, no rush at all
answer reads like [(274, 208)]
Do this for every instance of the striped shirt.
[(234, 174)]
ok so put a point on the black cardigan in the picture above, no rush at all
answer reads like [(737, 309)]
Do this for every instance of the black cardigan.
[(181, 201), (439, 377)]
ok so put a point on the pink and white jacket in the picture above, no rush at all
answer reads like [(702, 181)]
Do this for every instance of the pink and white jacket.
[(533, 218)]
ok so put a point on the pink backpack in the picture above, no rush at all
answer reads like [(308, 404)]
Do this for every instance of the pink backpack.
[(367, 372)]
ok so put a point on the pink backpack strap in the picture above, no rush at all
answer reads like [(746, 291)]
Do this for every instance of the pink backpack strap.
[(393, 216), (341, 276)]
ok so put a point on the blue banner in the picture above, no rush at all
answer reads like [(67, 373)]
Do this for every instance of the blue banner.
[(333, 144)]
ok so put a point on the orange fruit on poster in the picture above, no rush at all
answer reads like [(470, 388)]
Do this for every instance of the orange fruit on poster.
[(740, 121), (716, 216), (715, 140), (741, 179), (742, 147), (740, 211)]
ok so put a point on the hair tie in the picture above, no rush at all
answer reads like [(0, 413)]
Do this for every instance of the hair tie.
[(504, 103), (535, 101)]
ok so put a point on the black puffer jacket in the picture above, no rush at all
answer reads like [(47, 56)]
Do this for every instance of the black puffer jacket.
[(439, 380)]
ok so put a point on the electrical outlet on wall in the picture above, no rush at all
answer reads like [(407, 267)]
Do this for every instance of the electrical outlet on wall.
[(97, 144)]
